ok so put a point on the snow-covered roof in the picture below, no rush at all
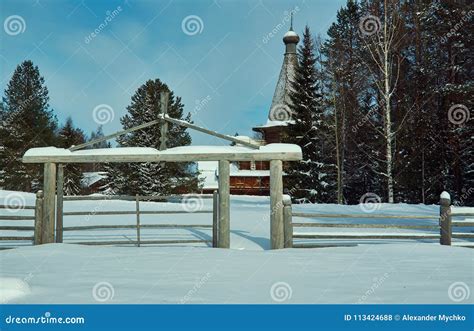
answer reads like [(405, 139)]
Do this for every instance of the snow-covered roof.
[(288, 152), (90, 178), (271, 123)]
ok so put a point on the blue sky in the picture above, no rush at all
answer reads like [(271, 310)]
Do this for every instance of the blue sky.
[(229, 60)]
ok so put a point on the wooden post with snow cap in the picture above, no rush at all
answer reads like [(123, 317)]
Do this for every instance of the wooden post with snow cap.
[(49, 203), (223, 238), (288, 222), (445, 218), (276, 205), (38, 218)]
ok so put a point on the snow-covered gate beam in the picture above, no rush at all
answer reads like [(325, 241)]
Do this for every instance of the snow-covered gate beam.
[(283, 152), (275, 153)]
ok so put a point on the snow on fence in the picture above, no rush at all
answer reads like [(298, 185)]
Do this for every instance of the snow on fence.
[(444, 227)]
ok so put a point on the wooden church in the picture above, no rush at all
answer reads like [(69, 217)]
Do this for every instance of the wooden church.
[(253, 178)]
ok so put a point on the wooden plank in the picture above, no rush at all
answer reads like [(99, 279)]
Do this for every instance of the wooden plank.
[(462, 224), (315, 215), (364, 236), (209, 132), (445, 219), (143, 242), (16, 218), (144, 212), (7, 238), (288, 224), (224, 205), (59, 203), (215, 218), (49, 203), (17, 228), (20, 208), (113, 135), (323, 245), (39, 218), (131, 197), (133, 226), (368, 226), (459, 235), (276, 205), (164, 124)]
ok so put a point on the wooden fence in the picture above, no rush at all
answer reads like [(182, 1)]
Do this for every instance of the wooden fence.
[(12, 217), (39, 231), (138, 227), (445, 227)]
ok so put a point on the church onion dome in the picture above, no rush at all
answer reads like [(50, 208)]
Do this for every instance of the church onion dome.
[(291, 37)]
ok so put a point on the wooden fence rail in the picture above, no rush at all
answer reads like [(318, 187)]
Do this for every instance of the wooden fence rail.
[(444, 226)]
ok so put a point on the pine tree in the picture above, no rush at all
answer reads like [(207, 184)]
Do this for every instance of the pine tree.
[(152, 178), (69, 136), (306, 180), (350, 108), (26, 123)]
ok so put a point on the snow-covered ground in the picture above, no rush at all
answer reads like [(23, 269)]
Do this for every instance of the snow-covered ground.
[(388, 271)]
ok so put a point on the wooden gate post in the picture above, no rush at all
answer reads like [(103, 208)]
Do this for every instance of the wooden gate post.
[(60, 204), (276, 205), (445, 218), (288, 222), (49, 203), (224, 205), (215, 218), (38, 218)]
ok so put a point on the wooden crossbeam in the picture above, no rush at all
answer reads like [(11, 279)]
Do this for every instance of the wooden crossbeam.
[(209, 132), (113, 135), (168, 119)]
